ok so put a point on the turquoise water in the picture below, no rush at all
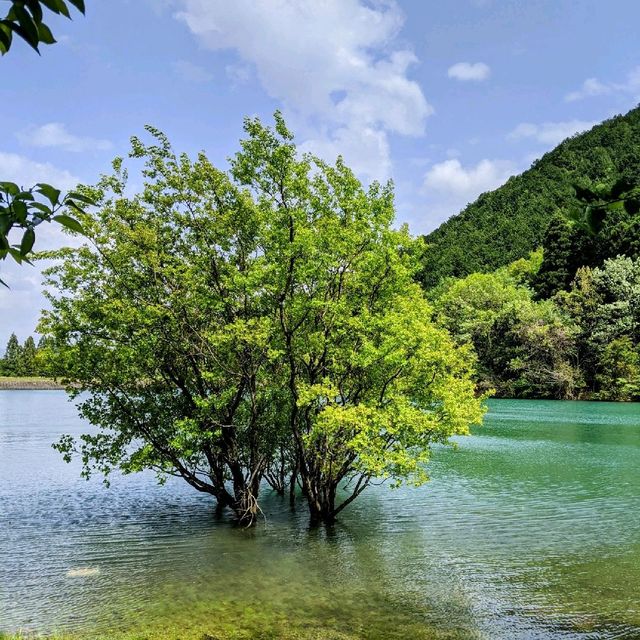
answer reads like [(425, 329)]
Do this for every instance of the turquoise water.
[(530, 529)]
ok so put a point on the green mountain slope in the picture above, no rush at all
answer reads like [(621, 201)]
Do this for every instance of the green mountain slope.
[(506, 224)]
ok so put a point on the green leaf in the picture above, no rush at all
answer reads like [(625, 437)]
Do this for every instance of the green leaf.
[(36, 10), (15, 254), (10, 187), (69, 222), (595, 217), (57, 6), (78, 4), (76, 206), (74, 195), (5, 224), (6, 36), (42, 208), (51, 193), (53, 5), (63, 9), (27, 24), (28, 239), (586, 195), (19, 210), (45, 35), (16, 28), (620, 187)]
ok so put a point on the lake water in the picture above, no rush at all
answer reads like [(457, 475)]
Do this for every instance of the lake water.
[(531, 529)]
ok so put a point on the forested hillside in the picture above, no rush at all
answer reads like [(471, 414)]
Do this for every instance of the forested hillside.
[(506, 224)]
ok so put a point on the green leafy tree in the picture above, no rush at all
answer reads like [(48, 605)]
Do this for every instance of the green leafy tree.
[(525, 270), (618, 377), (28, 363), (371, 382), (536, 352), (13, 356), (42, 360), (604, 224), (601, 201), (525, 348), (605, 304), (222, 322), (564, 252)]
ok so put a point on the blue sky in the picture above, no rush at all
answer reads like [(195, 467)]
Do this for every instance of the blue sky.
[(446, 98)]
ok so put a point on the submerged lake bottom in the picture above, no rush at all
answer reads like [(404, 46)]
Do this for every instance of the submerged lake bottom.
[(530, 529)]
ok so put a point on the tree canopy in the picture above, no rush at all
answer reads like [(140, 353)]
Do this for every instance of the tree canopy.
[(226, 327)]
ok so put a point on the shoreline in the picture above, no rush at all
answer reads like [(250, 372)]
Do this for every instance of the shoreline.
[(30, 384), (35, 383)]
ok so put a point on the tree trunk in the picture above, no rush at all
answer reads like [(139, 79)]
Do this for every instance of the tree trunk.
[(245, 506), (322, 504), (292, 487)]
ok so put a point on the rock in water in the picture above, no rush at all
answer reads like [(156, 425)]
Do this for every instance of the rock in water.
[(83, 572)]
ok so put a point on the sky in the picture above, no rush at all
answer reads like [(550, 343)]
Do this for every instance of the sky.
[(448, 99)]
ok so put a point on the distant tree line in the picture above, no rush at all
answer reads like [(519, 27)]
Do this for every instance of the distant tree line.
[(25, 359)]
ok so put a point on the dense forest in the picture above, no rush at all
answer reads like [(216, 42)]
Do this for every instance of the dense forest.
[(542, 276), (506, 224)]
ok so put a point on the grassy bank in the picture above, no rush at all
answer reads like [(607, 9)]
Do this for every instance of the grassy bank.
[(26, 384)]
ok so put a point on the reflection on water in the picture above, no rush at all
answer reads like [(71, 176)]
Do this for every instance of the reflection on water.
[(531, 529)]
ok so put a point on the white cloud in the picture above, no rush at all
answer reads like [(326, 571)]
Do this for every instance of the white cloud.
[(332, 64), (451, 177), (191, 72), (593, 87), (590, 87), (550, 133), (449, 185), (55, 134), (27, 172), (366, 149), (467, 71)]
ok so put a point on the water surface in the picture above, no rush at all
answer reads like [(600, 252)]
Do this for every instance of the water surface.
[(530, 529)]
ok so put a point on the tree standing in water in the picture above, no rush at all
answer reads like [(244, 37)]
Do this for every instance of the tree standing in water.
[(223, 322)]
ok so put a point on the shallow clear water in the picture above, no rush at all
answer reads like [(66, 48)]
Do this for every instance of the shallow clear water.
[(531, 529)]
